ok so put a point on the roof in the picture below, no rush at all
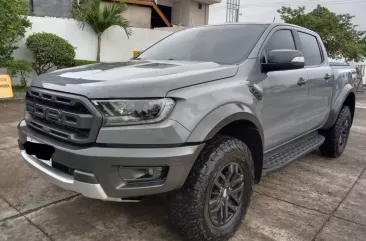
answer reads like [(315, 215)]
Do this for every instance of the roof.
[(264, 23)]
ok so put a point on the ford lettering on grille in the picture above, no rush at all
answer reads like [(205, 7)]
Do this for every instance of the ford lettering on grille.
[(48, 113)]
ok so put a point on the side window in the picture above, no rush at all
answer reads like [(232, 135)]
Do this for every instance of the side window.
[(311, 49), (281, 39)]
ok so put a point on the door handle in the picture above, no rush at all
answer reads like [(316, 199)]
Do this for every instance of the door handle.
[(327, 77), (301, 81)]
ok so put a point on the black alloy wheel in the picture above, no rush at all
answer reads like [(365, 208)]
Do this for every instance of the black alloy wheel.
[(226, 194), (344, 131)]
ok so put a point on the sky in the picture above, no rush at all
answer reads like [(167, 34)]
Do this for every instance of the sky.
[(266, 10)]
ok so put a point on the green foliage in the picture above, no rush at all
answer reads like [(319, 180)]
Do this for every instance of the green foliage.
[(339, 34), (18, 67), (49, 50), (20, 88), (80, 62), (100, 18), (13, 25)]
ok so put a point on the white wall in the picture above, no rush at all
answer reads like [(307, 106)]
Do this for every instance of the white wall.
[(115, 45), (85, 40)]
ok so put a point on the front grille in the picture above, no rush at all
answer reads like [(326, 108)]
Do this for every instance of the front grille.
[(63, 116)]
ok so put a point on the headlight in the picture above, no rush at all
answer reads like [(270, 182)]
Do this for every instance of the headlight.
[(134, 112)]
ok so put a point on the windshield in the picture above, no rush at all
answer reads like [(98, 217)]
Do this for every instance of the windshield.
[(225, 44)]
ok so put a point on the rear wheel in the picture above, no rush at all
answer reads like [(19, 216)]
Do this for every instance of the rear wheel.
[(213, 202), (337, 136)]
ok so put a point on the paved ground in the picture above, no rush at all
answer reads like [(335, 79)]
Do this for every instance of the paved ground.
[(314, 198)]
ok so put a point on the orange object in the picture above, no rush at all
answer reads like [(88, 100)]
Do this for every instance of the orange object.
[(6, 91), (135, 53)]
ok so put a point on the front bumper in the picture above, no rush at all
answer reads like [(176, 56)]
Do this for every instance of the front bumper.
[(96, 168)]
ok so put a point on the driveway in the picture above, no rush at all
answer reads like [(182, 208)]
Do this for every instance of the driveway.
[(314, 198)]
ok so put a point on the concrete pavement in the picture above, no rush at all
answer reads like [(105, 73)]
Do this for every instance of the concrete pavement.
[(315, 198)]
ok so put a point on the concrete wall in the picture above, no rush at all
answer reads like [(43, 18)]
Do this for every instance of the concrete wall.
[(180, 12), (53, 8), (176, 18), (168, 3), (138, 16), (173, 29), (115, 45), (197, 16), (207, 13), (187, 13)]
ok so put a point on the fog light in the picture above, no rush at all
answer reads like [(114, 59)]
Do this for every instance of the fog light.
[(143, 174)]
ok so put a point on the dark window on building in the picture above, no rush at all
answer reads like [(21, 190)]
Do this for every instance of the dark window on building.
[(281, 39), (310, 49), (199, 5), (156, 20)]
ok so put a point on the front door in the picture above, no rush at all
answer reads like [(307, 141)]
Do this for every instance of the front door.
[(285, 100)]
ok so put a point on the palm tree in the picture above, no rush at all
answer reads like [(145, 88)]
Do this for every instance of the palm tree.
[(101, 18)]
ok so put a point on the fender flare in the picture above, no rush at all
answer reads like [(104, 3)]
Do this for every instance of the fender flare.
[(214, 121), (224, 115), (337, 105)]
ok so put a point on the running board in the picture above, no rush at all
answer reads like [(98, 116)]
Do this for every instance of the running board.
[(281, 158)]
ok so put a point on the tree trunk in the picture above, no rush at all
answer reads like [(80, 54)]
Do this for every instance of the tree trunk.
[(98, 50)]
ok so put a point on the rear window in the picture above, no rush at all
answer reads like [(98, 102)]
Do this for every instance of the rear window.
[(311, 49), (226, 44)]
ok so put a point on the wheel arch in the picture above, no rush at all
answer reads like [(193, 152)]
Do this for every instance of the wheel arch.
[(345, 97), (239, 122), (351, 103)]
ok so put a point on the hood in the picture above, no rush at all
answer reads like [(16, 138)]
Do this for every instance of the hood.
[(132, 79)]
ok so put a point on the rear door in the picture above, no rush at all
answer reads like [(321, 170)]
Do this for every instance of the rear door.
[(284, 101), (320, 81)]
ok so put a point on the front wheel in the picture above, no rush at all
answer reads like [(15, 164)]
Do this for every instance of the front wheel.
[(213, 202), (337, 136)]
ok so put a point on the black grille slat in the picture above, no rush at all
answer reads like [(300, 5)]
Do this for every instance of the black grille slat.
[(57, 127), (64, 116)]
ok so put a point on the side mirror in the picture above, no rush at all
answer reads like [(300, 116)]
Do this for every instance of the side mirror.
[(284, 59)]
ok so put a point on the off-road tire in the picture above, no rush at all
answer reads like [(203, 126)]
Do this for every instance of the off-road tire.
[(189, 206), (331, 146)]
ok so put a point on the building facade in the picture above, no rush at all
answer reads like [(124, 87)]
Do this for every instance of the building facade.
[(51, 8), (140, 13)]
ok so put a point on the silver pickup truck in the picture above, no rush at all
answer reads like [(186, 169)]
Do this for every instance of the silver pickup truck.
[(201, 115)]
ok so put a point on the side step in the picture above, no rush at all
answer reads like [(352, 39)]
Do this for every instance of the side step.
[(283, 156)]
